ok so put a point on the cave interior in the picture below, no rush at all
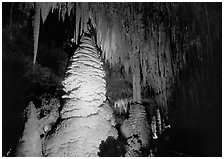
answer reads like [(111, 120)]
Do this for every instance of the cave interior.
[(168, 53)]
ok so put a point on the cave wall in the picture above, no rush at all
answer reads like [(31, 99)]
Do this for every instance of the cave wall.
[(195, 107), (198, 107), (21, 82)]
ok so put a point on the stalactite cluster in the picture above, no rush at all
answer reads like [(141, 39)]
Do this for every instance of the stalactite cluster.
[(153, 31), (123, 41), (41, 11), (171, 49)]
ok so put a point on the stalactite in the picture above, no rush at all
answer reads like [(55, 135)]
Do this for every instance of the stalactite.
[(121, 29), (107, 16), (45, 9), (36, 28), (42, 10), (136, 77)]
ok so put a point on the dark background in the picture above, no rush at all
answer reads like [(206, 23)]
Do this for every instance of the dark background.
[(196, 109)]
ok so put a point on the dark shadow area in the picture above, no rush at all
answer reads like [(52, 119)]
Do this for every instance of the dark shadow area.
[(195, 109)]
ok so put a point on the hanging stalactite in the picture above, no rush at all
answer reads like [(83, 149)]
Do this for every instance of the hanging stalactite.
[(36, 29), (151, 29)]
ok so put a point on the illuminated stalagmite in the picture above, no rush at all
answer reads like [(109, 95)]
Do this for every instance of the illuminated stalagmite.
[(30, 143), (137, 131), (155, 43), (86, 119)]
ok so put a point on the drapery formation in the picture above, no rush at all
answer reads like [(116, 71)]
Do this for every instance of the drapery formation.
[(150, 39), (126, 38), (175, 38)]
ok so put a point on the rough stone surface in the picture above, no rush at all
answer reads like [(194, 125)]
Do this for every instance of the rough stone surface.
[(136, 127), (86, 119), (30, 144), (80, 137)]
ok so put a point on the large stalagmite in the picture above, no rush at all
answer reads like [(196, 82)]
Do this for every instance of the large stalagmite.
[(86, 119)]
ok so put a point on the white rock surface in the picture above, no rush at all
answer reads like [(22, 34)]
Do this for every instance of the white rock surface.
[(86, 120)]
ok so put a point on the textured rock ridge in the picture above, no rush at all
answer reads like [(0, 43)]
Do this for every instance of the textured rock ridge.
[(86, 119)]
